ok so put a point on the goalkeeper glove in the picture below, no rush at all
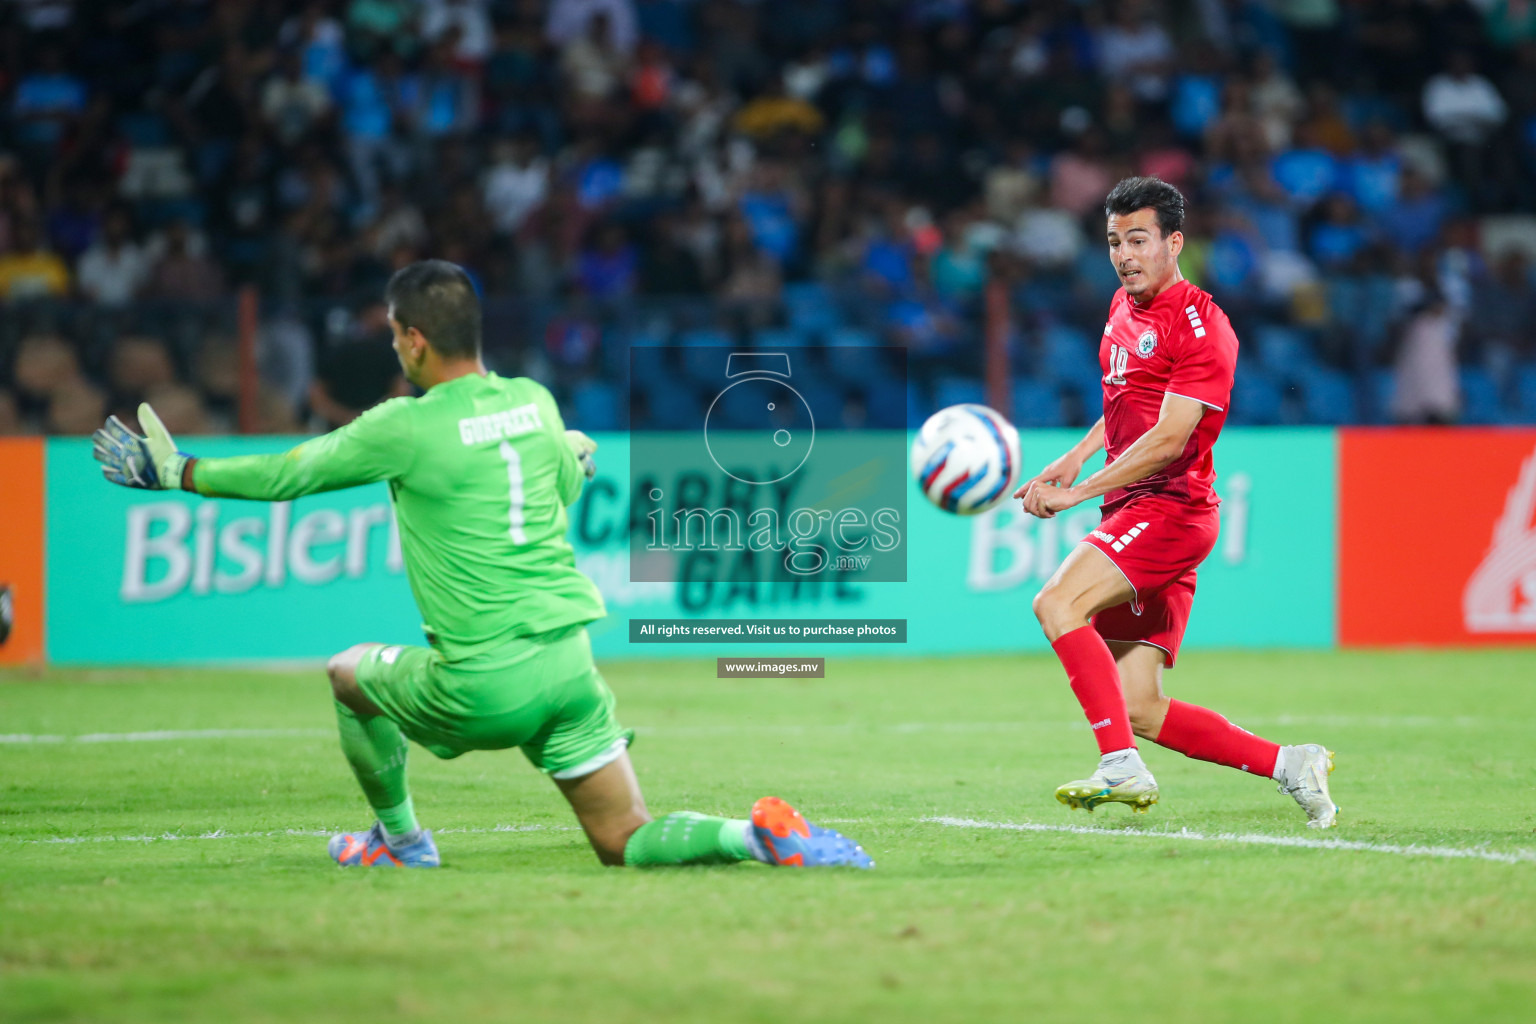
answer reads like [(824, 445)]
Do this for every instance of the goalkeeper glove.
[(583, 447), (150, 462)]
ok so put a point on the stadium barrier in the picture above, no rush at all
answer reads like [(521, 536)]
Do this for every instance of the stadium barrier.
[(1310, 556)]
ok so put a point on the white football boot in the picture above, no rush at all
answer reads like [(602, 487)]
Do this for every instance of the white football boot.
[(1302, 772), (1118, 781)]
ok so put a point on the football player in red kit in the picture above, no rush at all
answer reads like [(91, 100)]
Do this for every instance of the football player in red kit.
[(1116, 609)]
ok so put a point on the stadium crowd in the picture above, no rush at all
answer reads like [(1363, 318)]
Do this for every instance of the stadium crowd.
[(1362, 177)]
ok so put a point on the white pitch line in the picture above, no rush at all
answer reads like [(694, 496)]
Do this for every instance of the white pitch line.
[(1254, 839), (220, 833), (785, 729), (166, 736)]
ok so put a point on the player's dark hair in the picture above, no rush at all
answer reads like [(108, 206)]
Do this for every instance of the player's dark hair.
[(437, 298), (1134, 194)]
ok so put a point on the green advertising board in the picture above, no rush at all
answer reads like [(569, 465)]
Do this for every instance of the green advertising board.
[(144, 577)]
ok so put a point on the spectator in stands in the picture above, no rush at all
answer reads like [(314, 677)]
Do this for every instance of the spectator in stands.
[(1336, 241), (113, 270), (741, 144), (608, 265), (1415, 220), (1503, 323), (1135, 49), (593, 65), (465, 25), (1080, 176), (1466, 109), (356, 374), (571, 19), (44, 362), (373, 25), (76, 408), (1425, 384), (137, 365), (293, 103), (516, 183), (752, 275), (48, 102), (10, 415), (182, 273), (29, 269)]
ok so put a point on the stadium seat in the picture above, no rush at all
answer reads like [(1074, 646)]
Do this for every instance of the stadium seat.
[(596, 406), (143, 129), (949, 391), (1525, 393), (1379, 387), (1256, 399), (1068, 354), (855, 365), (1328, 396), (811, 306), (1036, 403), (1285, 352), (1480, 402), (886, 400), (704, 337), (779, 337), (919, 408), (851, 337), (673, 406)]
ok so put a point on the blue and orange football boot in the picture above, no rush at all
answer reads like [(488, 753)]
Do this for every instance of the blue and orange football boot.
[(789, 840), (369, 850)]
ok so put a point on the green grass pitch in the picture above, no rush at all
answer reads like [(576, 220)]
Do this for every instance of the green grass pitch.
[(242, 920)]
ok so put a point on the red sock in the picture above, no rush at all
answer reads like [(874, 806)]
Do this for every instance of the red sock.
[(1096, 681), (1203, 734)]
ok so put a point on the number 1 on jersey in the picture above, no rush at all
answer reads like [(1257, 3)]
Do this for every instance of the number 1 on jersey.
[(515, 484)]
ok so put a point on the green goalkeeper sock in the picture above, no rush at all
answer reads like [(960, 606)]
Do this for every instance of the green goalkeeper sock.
[(376, 751), (684, 837)]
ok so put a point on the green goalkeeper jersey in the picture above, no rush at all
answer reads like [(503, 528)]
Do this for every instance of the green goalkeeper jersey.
[(480, 475)]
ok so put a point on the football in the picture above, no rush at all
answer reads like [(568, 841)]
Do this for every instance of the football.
[(966, 459)]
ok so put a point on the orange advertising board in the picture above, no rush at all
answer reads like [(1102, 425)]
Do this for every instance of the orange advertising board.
[(21, 544), (1437, 536)]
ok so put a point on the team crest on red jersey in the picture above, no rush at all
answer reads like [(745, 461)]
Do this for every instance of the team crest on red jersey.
[(1146, 343)]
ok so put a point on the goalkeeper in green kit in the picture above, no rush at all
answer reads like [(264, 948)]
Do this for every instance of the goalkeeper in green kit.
[(480, 472)]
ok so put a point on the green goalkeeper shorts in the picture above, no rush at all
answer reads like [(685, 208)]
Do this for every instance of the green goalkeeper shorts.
[(541, 693)]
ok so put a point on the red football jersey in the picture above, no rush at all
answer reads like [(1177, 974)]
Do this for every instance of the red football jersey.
[(1182, 344)]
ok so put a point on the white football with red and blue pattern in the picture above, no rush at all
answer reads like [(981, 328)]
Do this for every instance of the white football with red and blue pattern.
[(966, 459)]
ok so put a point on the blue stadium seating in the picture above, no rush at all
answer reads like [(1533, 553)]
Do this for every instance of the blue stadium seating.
[(1525, 392), (779, 337), (1069, 355), (949, 391), (1328, 396), (1480, 402), (851, 337), (1284, 352), (1256, 399), (1036, 403), (1379, 387), (596, 406), (885, 399), (811, 306), (855, 365), (919, 408), (673, 405)]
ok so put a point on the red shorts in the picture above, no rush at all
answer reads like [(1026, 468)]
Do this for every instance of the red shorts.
[(1156, 543)]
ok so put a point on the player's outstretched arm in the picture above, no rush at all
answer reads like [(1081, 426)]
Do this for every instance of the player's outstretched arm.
[(378, 445), (1150, 452)]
